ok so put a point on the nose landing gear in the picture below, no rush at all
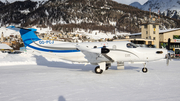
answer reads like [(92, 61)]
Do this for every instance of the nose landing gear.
[(144, 69)]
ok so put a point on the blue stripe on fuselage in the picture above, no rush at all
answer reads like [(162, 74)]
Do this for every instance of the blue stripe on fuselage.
[(54, 51)]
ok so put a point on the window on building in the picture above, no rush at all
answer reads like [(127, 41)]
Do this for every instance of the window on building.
[(145, 26), (154, 32), (146, 32), (154, 26), (150, 42), (154, 38), (146, 37), (149, 37)]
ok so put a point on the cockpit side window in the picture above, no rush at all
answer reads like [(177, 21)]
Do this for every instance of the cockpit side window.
[(130, 45)]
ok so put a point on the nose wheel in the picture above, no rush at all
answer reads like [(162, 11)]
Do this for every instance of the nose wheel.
[(144, 69)]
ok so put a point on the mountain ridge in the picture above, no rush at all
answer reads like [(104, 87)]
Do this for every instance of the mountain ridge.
[(170, 8), (68, 15), (136, 4)]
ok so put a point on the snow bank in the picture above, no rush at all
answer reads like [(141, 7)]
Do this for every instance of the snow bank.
[(16, 59), (27, 59)]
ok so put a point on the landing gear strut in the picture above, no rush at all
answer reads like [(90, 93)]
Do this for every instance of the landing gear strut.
[(144, 69), (107, 66)]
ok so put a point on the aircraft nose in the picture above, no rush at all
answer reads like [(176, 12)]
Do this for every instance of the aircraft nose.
[(165, 52)]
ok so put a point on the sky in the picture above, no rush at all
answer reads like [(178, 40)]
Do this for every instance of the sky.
[(131, 1)]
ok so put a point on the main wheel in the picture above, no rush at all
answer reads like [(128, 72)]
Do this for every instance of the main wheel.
[(107, 66), (144, 70), (98, 70)]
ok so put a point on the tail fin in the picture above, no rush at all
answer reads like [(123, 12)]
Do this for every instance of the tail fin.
[(27, 35)]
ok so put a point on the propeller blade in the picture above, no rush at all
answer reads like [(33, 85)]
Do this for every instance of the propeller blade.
[(167, 61), (168, 58)]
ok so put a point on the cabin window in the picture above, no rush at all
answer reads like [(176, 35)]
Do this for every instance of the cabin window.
[(95, 46), (145, 26), (131, 45)]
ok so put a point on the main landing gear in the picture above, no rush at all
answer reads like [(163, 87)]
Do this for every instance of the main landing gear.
[(103, 66), (144, 69), (99, 70)]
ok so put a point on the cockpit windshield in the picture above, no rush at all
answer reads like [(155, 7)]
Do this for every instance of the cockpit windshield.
[(131, 45)]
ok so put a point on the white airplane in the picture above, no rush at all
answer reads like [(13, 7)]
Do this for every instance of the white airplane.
[(102, 54)]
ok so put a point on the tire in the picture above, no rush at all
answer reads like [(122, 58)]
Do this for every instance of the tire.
[(98, 70), (107, 67), (144, 70)]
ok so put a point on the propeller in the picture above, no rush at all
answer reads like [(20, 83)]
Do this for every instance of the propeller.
[(168, 58), (168, 54)]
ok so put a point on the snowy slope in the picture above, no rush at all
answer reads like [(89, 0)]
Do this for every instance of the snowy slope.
[(11, 1), (170, 8), (61, 81), (162, 5), (96, 34), (7, 32)]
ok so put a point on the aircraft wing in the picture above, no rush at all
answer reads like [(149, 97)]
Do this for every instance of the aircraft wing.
[(95, 55)]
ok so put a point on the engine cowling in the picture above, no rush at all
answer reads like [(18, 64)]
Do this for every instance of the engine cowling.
[(104, 50)]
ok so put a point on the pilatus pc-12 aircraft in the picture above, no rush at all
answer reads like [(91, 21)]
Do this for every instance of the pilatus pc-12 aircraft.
[(96, 53)]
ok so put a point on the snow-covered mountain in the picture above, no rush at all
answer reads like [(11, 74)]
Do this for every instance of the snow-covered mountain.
[(11, 1), (170, 8), (2, 3), (136, 4), (71, 15)]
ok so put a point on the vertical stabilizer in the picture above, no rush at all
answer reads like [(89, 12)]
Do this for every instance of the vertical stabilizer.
[(27, 35)]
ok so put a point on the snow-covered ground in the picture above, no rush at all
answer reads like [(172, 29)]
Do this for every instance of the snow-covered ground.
[(96, 34), (25, 77)]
